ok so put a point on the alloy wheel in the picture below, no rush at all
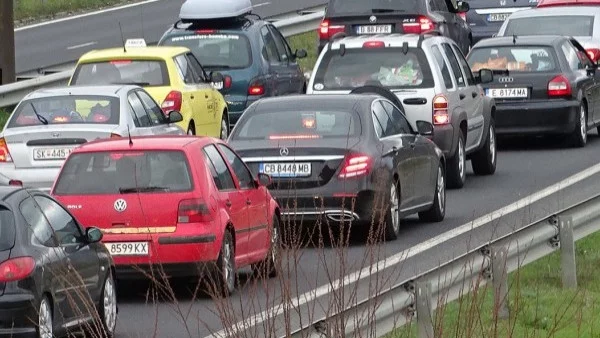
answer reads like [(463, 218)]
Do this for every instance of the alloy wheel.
[(110, 305), (224, 132), (461, 158), (441, 190), (492, 145), (582, 122), (45, 320), (394, 208)]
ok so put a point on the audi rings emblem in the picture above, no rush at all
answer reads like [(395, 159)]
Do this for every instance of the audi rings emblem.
[(120, 205), (284, 151), (373, 19), (505, 79)]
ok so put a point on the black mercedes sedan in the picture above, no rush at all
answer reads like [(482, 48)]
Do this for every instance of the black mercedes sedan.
[(55, 277), (547, 85), (344, 158)]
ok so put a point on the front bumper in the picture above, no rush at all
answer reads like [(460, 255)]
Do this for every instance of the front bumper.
[(37, 178), (17, 315), (536, 118)]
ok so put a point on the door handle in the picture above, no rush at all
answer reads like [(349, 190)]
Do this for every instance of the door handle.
[(474, 94), (192, 97), (228, 203), (248, 202), (461, 96), (206, 96)]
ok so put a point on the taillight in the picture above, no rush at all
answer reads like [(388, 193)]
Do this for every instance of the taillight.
[(440, 110), (355, 165), (227, 82), (15, 183), (422, 25), (193, 211), (326, 31), (463, 16), (4, 154), (113, 135), (172, 102), (374, 44), (559, 86), (256, 87), (593, 53), (16, 269)]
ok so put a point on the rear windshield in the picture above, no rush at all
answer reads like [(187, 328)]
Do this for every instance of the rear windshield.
[(387, 67), (373, 6), (7, 229), (141, 73), (72, 109), (124, 172), (570, 25), (223, 51), (283, 125), (515, 59)]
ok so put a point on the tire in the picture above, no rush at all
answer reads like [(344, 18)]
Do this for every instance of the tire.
[(457, 172), (191, 129), (224, 133), (268, 267), (45, 327), (108, 306), (392, 217), (437, 212), (579, 137), (484, 160), (224, 277)]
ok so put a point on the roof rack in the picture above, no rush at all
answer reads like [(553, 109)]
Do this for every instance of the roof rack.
[(422, 36), (206, 10)]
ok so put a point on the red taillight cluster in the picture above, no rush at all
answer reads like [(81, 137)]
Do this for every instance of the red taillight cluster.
[(193, 211), (326, 31), (4, 154), (440, 110), (356, 165), (173, 101), (15, 183), (374, 44), (256, 87), (227, 82), (16, 269), (463, 15), (422, 25), (593, 53), (559, 86)]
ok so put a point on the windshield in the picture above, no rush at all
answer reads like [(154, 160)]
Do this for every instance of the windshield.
[(297, 125), (388, 67), (72, 109), (141, 73), (7, 229), (515, 59), (214, 50), (374, 6), (569, 25), (124, 172)]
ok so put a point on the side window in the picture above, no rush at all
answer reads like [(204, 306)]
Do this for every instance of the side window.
[(239, 168), (284, 55), (465, 66), (382, 116), (185, 70), (377, 126), (571, 55), (154, 111), (437, 54), (197, 67), (219, 170), (397, 118), (454, 65), (65, 227), (269, 52), (138, 110), (37, 221), (433, 5)]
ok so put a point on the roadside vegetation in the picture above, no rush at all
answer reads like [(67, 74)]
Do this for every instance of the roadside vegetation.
[(27, 11), (4, 114), (307, 41)]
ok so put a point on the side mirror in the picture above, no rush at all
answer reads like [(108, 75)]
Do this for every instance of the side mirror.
[(485, 76), (424, 128), (93, 235), (175, 116), (462, 7), (301, 53), (264, 179), (217, 80)]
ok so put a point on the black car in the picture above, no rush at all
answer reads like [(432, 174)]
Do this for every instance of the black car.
[(546, 85), (359, 17), (323, 151), (485, 17), (55, 276)]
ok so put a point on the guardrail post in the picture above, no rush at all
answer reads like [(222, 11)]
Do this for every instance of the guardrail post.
[(500, 281), (567, 252), (424, 311)]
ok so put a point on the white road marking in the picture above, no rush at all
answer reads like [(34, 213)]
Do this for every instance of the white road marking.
[(397, 258), (82, 45), (107, 10)]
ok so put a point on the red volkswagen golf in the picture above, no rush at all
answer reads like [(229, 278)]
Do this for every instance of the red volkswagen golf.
[(175, 205)]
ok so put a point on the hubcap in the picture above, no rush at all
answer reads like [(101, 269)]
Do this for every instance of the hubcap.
[(227, 259), (461, 158), (582, 123), (45, 320), (110, 305), (394, 206), (441, 190), (492, 145), (224, 133)]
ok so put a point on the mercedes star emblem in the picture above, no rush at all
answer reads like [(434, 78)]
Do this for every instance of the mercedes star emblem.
[(373, 19), (120, 205), (55, 135), (284, 151)]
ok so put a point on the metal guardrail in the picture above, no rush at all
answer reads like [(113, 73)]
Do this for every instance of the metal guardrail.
[(12, 93), (492, 262)]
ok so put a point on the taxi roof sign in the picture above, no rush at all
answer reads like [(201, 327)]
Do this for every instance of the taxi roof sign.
[(133, 43), (210, 10)]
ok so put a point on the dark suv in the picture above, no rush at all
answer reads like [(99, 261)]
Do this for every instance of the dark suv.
[(485, 17), (360, 17)]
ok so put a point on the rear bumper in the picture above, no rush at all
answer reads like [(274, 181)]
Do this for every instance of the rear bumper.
[(159, 272), (18, 315), (536, 118), (443, 137), (37, 178)]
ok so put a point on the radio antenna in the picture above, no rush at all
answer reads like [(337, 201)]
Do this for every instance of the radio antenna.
[(122, 39), (129, 135), (142, 13)]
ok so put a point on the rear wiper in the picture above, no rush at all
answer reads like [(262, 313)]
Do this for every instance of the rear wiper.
[(132, 83), (217, 66), (387, 10), (39, 117), (141, 189)]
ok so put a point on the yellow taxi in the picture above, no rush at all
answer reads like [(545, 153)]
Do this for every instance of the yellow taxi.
[(171, 75)]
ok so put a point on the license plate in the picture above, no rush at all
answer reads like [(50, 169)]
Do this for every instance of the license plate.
[(51, 154), (509, 93), (217, 85), (497, 17), (128, 248), (374, 29), (286, 169)]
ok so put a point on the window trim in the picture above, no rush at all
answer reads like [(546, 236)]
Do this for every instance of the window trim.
[(55, 243), (411, 132), (133, 92), (458, 86), (164, 119), (453, 81), (470, 79), (80, 230), (233, 179), (231, 170)]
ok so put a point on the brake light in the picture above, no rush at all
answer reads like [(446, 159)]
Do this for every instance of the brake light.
[(120, 62), (355, 165), (205, 31), (593, 53), (293, 137), (463, 15), (326, 31), (559, 86), (16, 269), (193, 211), (227, 82), (422, 25), (4, 154), (440, 110), (256, 88), (374, 44), (113, 135), (172, 102), (15, 183)]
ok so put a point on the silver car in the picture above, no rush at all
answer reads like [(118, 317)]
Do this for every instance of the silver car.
[(433, 82), (49, 123)]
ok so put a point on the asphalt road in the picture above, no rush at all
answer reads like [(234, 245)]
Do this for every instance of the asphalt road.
[(524, 167), (66, 41)]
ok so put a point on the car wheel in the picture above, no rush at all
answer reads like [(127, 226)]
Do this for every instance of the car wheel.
[(457, 165), (108, 306), (268, 267), (224, 134), (392, 219), (484, 160), (191, 129), (437, 212), (45, 328), (579, 136), (224, 276)]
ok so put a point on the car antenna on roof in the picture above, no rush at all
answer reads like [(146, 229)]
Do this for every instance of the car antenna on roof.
[(122, 37), (342, 49), (404, 47), (129, 135)]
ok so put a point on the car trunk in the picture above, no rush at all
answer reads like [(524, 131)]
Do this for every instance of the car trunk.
[(159, 93), (521, 87), (416, 103)]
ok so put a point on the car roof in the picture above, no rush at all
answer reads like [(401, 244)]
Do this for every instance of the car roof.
[(555, 10), (523, 40), (390, 40), (107, 90), (168, 142), (151, 52), (320, 102)]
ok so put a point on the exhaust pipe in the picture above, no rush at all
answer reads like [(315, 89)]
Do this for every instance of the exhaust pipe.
[(341, 216)]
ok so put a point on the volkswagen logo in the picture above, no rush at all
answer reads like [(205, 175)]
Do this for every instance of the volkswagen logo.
[(502, 2), (120, 205), (373, 19), (55, 135), (505, 79), (284, 151)]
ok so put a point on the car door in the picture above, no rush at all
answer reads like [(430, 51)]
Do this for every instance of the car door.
[(291, 68), (159, 123), (256, 199), (198, 97), (230, 198), (206, 86), (277, 66), (591, 82)]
